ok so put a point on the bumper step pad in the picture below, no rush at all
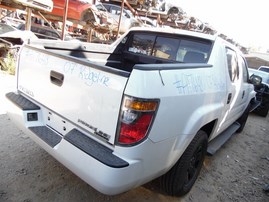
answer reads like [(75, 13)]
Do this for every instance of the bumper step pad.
[(95, 149), (47, 135), (22, 102)]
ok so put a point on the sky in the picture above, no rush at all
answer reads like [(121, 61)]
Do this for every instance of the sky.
[(245, 21)]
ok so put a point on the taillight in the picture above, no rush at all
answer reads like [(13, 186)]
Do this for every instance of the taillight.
[(136, 118)]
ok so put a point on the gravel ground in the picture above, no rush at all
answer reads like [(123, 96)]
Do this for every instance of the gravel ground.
[(239, 171)]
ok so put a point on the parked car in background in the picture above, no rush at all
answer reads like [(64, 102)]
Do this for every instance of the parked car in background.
[(128, 20), (4, 28), (44, 5), (42, 32), (262, 91), (45, 32), (170, 8), (167, 8), (263, 74), (76, 8), (147, 22), (14, 36), (264, 68), (11, 40), (131, 2)]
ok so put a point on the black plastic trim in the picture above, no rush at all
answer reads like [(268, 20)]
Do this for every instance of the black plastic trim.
[(171, 66), (95, 149), (22, 102), (82, 62), (47, 135)]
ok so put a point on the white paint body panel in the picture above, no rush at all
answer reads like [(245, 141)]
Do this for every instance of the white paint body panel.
[(87, 94)]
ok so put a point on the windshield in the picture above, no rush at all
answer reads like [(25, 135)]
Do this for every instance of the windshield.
[(265, 69)]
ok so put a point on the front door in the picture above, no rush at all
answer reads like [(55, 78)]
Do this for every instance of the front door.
[(237, 90)]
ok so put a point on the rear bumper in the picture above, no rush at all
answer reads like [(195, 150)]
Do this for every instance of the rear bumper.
[(90, 160)]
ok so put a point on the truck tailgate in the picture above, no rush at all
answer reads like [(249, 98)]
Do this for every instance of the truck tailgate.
[(84, 93)]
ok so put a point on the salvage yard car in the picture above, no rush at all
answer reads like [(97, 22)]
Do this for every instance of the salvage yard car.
[(46, 32), (264, 68), (128, 20), (44, 5), (262, 91), (166, 8), (4, 28), (150, 105)]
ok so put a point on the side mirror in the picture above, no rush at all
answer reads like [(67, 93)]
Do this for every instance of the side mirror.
[(255, 79)]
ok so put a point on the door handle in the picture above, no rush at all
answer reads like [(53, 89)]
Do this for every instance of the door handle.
[(56, 78), (243, 94), (229, 98)]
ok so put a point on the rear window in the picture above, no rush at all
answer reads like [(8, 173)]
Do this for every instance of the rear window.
[(179, 49)]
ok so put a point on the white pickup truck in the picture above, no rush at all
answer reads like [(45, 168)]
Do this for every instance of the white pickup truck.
[(149, 105)]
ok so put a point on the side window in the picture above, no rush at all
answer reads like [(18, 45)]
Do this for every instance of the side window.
[(232, 64), (243, 63), (142, 44)]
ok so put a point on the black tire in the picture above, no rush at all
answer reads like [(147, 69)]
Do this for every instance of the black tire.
[(243, 119), (180, 178)]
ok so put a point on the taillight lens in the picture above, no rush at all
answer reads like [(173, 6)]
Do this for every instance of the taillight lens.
[(136, 118)]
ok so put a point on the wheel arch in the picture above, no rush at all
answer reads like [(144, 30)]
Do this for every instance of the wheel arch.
[(204, 118), (188, 166), (209, 127)]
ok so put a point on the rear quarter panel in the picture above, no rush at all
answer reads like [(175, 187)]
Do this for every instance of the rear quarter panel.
[(189, 98)]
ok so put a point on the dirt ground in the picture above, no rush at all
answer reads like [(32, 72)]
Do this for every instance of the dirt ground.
[(239, 171)]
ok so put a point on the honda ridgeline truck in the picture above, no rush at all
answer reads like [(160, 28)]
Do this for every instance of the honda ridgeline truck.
[(148, 106)]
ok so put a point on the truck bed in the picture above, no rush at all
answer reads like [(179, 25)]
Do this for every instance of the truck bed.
[(100, 54)]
